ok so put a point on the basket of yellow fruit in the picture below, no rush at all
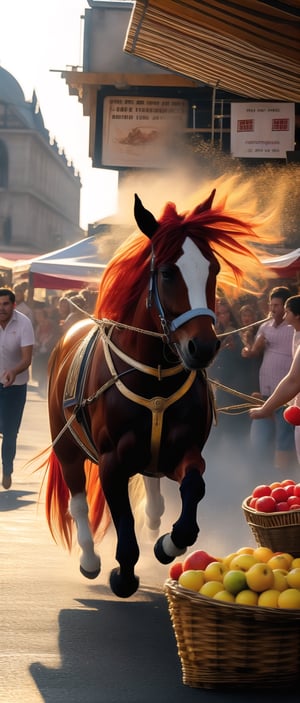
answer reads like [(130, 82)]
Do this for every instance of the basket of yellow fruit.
[(273, 515), (237, 620)]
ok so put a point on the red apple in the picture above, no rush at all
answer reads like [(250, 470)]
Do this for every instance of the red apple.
[(252, 502), (297, 490), (279, 494), (282, 506), (287, 482), (292, 499), (197, 560), (260, 491), (295, 506), (292, 415), (289, 489), (266, 504), (175, 570)]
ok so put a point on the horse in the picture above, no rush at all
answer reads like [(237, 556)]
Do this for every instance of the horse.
[(128, 393)]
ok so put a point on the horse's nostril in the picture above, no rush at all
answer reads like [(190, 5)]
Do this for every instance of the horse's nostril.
[(201, 350)]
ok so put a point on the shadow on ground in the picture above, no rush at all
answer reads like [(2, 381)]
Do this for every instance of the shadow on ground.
[(124, 652)]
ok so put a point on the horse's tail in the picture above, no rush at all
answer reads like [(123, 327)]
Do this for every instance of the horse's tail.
[(57, 498), (99, 513)]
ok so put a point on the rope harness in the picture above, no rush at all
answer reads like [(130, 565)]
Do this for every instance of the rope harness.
[(156, 405)]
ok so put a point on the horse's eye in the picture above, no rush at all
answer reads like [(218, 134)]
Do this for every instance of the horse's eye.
[(168, 273)]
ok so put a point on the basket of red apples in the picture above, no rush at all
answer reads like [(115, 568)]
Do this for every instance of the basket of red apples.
[(273, 515)]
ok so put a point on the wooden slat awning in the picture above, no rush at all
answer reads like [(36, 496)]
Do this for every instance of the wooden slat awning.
[(250, 48)]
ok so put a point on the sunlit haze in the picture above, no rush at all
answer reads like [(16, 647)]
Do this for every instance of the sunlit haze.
[(37, 41)]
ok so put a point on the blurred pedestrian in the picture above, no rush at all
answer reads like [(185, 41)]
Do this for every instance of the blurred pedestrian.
[(21, 304), (227, 369), (272, 440), (77, 312), (46, 336), (16, 344)]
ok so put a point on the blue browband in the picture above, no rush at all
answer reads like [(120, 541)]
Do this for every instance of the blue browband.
[(188, 315)]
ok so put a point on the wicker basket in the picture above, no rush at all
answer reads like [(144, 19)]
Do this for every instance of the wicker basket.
[(226, 645), (278, 531)]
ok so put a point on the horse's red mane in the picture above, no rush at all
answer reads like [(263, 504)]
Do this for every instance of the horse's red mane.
[(215, 231)]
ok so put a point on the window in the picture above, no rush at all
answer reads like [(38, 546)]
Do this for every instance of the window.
[(3, 165)]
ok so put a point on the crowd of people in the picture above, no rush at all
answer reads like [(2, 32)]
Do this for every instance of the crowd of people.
[(250, 365), (50, 320)]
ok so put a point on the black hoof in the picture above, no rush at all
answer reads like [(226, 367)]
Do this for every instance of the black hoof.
[(89, 574), (160, 553), (121, 586)]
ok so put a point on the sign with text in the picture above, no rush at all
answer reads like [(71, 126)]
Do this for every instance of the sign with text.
[(138, 131), (262, 130)]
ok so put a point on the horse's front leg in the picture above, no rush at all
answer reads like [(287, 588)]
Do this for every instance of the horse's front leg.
[(185, 529), (115, 479), (155, 504)]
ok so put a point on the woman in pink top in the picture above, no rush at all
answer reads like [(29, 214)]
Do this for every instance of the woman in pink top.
[(272, 440), (288, 388)]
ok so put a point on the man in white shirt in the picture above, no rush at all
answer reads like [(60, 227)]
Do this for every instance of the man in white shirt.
[(16, 345)]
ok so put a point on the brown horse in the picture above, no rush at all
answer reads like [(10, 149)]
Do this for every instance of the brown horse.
[(128, 392)]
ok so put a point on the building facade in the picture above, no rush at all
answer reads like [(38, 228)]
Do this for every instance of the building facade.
[(39, 188)]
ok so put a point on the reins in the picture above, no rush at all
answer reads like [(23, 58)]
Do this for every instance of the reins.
[(160, 335), (112, 381)]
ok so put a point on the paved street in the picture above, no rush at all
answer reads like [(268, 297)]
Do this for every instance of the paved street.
[(64, 638)]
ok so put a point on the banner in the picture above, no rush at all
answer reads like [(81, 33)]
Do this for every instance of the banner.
[(262, 130), (138, 131)]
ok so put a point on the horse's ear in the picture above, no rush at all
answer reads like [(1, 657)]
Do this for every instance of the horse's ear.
[(207, 203), (144, 218)]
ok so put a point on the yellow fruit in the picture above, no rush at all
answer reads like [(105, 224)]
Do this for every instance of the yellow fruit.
[(278, 561), (280, 582), (293, 578), (210, 588), (234, 581), (295, 563), (246, 597), (245, 550), (268, 598), (289, 558), (290, 598), (260, 577), (224, 596), (214, 571), (263, 553), (243, 562), (192, 579), (226, 560)]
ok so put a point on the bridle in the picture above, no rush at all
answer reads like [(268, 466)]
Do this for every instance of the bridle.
[(153, 296)]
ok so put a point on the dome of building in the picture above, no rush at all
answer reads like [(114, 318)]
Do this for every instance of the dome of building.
[(12, 94), (10, 90)]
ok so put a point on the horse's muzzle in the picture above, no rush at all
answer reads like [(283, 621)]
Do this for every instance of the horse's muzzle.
[(198, 354)]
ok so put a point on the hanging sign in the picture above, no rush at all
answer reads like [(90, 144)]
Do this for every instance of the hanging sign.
[(262, 130)]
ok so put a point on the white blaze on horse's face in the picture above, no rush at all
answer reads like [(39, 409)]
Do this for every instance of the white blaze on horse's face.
[(194, 268)]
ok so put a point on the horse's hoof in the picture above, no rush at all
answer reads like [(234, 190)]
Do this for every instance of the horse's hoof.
[(89, 574), (160, 552), (121, 586)]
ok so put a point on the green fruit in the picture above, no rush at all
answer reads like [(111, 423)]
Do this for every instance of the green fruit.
[(235, 581)]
